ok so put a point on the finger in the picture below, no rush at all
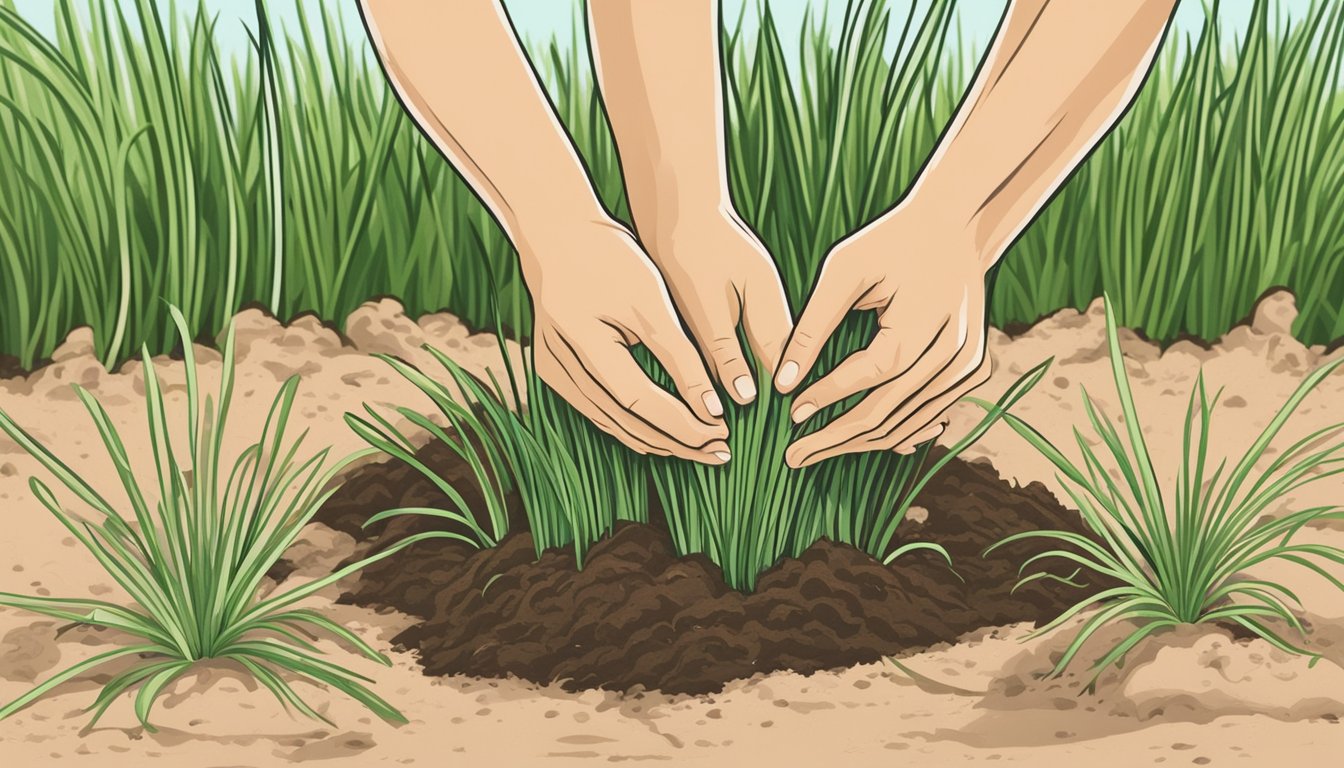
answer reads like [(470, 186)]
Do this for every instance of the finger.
[(966, 341), (563, 373), (907, 429), (904, 421), (940, 370), (767, 320), (929, 433), (680, 359), (884, 359), (833, 297), (715, 330), (559, 380), (614, 372), (869, 413)]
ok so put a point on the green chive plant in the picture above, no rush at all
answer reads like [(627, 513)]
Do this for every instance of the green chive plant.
[(1184, 554), (193, 560), (754, 510), (573, 482)]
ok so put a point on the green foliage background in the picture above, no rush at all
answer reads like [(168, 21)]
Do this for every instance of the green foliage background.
[(142, 164)]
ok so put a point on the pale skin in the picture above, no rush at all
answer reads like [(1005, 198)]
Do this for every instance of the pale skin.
[(1058, 76), (658, 70), (595, 291), (1056, 79)]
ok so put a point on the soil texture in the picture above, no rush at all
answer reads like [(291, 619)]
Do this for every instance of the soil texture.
[(637, 616)]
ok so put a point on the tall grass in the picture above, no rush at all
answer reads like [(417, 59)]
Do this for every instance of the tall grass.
[(143, 162)]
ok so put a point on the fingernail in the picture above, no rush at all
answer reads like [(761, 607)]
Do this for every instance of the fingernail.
[(788, 374), (803, 412), (746, 388), (713, 403), (723, 456)]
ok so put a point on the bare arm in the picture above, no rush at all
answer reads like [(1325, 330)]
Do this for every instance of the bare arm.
[(1054, 84), (1055, 81), (461, 73), (658, 65)]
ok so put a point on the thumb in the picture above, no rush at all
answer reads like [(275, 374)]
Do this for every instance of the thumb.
[(715, 330), (768, 323), (833, 297)]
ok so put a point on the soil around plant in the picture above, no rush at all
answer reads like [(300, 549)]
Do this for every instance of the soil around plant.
[(10, 367), (639, 617)]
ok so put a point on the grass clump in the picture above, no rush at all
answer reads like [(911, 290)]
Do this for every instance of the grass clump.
[(1181, 554), (193, 559), (573, 482), (754, 510)]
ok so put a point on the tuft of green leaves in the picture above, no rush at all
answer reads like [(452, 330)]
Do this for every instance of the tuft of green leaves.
[(193, 559), (754, 510), (574, 482), (1181, 555)]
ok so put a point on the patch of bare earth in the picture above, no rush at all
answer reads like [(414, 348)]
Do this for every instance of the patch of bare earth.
[(1192, 697)]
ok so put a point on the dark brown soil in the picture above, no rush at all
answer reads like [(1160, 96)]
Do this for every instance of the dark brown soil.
[(9, 367), (638, 616)]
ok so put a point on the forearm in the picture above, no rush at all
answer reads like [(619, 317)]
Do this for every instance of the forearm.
[(658, 69), (461, 73), (1057, 78)]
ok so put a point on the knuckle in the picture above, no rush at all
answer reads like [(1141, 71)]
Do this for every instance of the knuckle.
[(695, 388), (729, 360), (725, 350), (877, 369), (891, 356), (804, 338)]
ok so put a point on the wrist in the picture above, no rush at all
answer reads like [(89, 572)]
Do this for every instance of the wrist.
[(959, 230), (673, 218), (554, 239)]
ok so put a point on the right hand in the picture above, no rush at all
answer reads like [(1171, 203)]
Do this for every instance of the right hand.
[(595, 294), (720, 276)]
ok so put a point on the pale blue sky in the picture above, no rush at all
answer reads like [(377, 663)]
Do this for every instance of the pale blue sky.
[(543, 19)]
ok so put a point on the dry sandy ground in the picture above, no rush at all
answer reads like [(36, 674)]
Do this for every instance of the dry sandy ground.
[(1187, 698)]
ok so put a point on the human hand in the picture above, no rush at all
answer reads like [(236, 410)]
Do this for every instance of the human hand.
[(583, 331), (719, 274), (926, 282)]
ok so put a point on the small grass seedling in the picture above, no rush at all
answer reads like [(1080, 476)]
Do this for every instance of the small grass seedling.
[(194, 559), (1182, 555)]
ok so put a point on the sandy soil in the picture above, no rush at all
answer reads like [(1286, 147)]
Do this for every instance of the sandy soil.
[(1189, 697)]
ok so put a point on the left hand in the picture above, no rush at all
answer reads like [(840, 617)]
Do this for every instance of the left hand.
[(926, 282)]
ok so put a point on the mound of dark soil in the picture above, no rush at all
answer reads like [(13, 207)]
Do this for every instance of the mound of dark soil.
[(637, 615)]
